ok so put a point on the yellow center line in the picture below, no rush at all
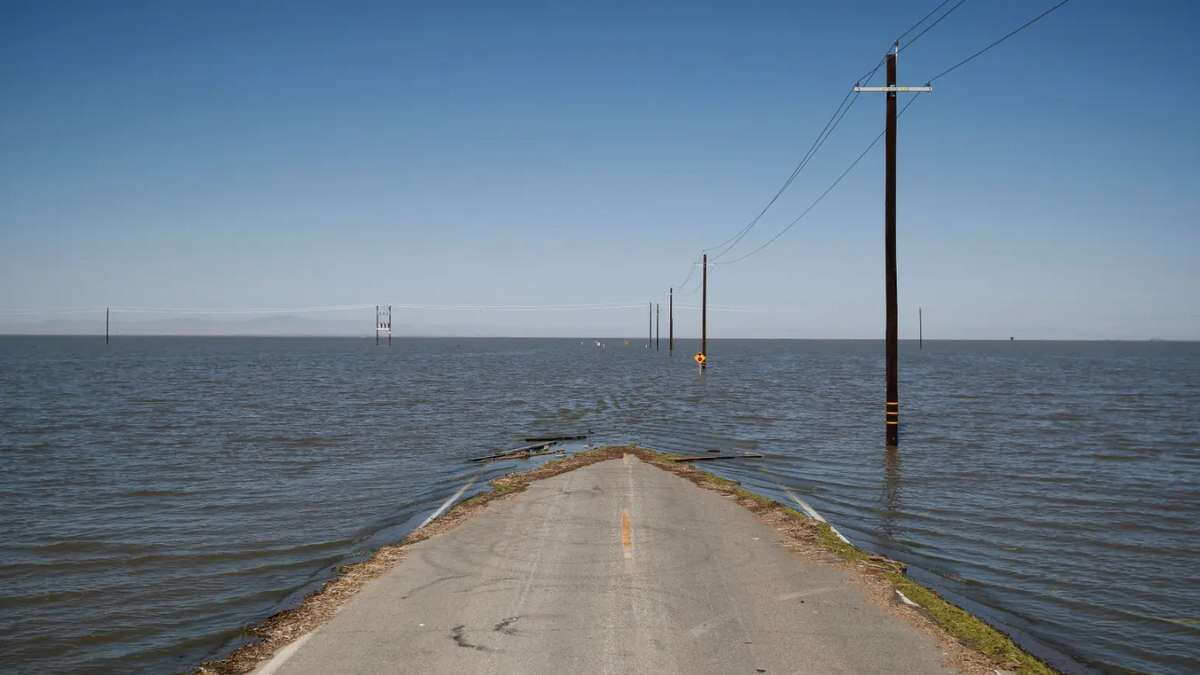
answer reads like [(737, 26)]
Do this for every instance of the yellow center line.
[(626, 534)]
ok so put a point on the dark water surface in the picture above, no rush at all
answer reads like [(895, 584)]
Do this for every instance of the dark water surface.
[(158, 495)]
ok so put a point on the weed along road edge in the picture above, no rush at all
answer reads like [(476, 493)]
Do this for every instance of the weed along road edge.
[(606, 562)]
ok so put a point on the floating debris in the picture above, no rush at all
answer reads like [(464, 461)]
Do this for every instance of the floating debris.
[(558, 438), (518, 453), (705, 458)]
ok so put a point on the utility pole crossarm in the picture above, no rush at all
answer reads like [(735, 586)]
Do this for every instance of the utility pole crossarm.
[(893, 89)]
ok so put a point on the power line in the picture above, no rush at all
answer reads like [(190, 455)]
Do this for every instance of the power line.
[(524, 308), (930, 26), (913, 27), (870, 74), (826, 131), (865, 79), (831, 125), (232, 310), (822, 195), (694, 290), (1016, 30), (224, 311), (690, 274)]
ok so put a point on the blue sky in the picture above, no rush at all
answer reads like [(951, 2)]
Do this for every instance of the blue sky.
[(288, 155)]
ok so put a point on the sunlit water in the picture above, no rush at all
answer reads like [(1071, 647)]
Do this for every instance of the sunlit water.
[(160, 494)]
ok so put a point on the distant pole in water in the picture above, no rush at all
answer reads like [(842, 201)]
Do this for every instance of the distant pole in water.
[(650, 325), (657, 327), (106, 310), (892, 402), (383, 323), (704, 315), (920, 330), (671, 320)]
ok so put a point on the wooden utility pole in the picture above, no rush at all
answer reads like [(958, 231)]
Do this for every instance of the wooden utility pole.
[(106, 310), (892, 402), (920, 330), (650, 325), (704, 314), (671, 320), (657, 327)]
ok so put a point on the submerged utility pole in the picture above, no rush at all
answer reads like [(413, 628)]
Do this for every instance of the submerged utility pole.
[(383, 324), (920, 330), (892, 403), (657, 327), (106, 310), (650, 325), (702, 356), (671, 320)]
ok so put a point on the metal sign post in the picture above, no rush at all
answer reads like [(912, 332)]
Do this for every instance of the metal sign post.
[(701, 357)]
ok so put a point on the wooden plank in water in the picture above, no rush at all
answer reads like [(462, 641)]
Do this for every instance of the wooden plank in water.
[(556, 438), (514, 451), (705, 458)]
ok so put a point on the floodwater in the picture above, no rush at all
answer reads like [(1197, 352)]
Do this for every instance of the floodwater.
[(158, 495)]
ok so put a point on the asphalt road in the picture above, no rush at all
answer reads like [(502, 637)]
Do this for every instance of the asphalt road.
[(617, 567)]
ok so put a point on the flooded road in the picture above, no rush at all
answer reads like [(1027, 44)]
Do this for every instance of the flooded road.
[(158, 496)]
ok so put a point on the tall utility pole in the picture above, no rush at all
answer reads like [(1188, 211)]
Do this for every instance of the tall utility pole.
[(657, 327), (671, 320), (106, 310), (892, 403), (920, 330), (650, 324), (703, 356)]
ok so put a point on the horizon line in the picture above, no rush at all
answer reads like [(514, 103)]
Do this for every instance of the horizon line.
[(578, 337)]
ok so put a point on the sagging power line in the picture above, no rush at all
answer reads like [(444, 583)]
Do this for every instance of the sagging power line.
[(820, 197), (831, 125), (870, 74), (1006, 36)]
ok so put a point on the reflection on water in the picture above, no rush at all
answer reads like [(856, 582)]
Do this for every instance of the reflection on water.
[(889, 501), (158, 495)]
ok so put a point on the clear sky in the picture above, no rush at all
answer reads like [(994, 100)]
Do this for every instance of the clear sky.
[(286, 155)]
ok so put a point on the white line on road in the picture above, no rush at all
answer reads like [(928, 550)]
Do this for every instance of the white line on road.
[(812, 513), (282, 655), (447, 503)]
